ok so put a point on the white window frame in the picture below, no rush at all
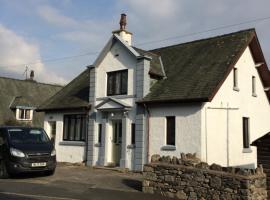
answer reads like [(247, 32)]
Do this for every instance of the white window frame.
[(235, 79), (254, 94), (18, 117)]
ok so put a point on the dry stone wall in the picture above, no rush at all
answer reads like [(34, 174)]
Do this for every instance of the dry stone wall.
[(189, 178)]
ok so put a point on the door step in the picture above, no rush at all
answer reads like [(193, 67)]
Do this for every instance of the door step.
[(116, 169)]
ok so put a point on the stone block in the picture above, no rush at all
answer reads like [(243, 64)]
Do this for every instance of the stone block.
[(181, 195), (155, 158)]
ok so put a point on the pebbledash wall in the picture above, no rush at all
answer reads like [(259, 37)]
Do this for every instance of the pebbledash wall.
[(213, 130), (66, 151), (227, 148), (188, 178)]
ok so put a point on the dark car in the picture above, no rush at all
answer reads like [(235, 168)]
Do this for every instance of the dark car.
[(25, 149)]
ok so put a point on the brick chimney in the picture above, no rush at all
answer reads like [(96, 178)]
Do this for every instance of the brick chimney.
[(122, 32)]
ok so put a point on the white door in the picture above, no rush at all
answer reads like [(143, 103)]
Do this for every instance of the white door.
[(116, 141), (52, 133)]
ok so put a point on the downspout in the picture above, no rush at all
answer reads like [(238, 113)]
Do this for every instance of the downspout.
[(148, 131), (86, 137), (206, 148)]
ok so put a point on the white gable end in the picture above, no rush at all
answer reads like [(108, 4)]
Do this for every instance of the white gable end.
[(222, 130)]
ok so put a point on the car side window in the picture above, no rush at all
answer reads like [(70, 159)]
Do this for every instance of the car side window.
[(2, 141)]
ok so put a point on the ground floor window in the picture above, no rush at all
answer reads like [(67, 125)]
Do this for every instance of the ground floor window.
[(132, 133), (170, 132), (246, 143), (75, 127)]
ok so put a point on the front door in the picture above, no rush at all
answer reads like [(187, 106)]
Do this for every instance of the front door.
[(52, 125), (116, 142)]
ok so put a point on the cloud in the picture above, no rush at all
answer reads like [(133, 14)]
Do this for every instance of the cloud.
[(15, 51), (86, 32), (54, 17)]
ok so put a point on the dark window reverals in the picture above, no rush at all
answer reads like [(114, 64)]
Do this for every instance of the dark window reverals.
[(235, 77), (246, 132), (132, 133), (117, 82), (99, 133), (75, 127), (170, 130)]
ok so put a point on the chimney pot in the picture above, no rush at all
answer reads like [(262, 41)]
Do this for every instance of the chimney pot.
[(123, 21)]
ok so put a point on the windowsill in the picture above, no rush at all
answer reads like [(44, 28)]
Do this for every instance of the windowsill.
[(254, 95), (98, 145), (72, 143), (131, 146), (236, 89), (24, 119), (247, 150), (168, 148)]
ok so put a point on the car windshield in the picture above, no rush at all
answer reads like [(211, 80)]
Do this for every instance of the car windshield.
[(32, 136)]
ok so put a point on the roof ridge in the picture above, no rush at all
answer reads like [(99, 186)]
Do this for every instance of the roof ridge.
[(32, 82), (203, 39)]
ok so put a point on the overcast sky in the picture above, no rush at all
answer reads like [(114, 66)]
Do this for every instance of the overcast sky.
[(34, 30)]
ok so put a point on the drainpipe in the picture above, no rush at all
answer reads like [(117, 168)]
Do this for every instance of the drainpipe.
[(148, 131), (86, 137)]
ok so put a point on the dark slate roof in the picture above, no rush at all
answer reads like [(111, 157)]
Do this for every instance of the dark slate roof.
[(16, 92), (156, 67), (195, 69), (73, 96)]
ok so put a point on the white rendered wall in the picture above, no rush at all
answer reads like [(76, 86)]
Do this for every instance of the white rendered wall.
[(188, 129), (111, 62), (64, 153), (216, 121)]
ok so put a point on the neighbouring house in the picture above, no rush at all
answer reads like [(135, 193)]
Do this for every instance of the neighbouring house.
[(20, 98), (209, 97)]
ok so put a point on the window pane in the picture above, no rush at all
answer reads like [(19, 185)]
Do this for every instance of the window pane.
[(78, 128), (99, 133), (21, 113), (133, 133), (117, 83), (246, 132), (253, 85), (84, 128), (27, 114), (170, 130), (72, 128), (235, 78), (66, 124), (110, 84), (124, 81)]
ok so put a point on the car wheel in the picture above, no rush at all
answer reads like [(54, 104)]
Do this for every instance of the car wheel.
[(3, 169)]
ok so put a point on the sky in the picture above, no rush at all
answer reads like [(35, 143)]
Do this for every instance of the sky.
[(59, 38)]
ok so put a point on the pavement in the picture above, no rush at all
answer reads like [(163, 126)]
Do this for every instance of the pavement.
[(72, 182)]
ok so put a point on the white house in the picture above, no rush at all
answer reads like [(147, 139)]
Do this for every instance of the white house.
[(209, 97)]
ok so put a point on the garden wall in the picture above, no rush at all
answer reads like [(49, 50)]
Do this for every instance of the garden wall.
[(189, 178)]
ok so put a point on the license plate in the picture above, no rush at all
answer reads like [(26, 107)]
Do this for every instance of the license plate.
[(38, 164)]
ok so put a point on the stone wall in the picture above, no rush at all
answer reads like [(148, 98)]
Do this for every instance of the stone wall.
[(189, 178)]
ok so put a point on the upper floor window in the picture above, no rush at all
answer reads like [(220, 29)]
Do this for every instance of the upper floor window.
[(170, 132), (254, 86), (24, 114), (235, 79), (117, 82)]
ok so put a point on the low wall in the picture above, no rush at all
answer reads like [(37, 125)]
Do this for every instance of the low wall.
[(188, 178)]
